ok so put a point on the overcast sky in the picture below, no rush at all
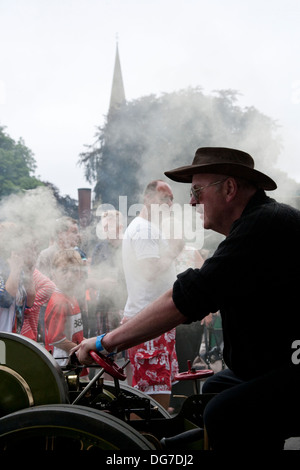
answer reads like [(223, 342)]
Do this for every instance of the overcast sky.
[(57, 59)]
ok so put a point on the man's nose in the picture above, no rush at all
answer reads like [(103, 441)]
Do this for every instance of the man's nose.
[(193, 201)]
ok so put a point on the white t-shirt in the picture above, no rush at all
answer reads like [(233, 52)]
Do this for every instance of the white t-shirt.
[(144, 240)]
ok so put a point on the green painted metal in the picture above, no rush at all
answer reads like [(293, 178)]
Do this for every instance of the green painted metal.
[(29, 376)]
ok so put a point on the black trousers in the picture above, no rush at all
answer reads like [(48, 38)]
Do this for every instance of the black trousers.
[(256, 415)]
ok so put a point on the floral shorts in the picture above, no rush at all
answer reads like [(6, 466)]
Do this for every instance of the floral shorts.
[(154, 364)]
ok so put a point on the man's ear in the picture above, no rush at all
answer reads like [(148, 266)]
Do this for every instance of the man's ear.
[(231, 188)]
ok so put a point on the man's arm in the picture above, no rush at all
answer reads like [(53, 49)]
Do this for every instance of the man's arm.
[(15, 263), (151, 266), (157, 318)]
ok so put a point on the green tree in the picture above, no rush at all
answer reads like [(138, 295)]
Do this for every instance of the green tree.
[(17, 166)]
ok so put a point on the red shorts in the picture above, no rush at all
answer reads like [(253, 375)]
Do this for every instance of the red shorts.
[(154, 364)]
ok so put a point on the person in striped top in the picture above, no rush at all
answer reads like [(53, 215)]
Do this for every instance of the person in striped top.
[(44, 288)]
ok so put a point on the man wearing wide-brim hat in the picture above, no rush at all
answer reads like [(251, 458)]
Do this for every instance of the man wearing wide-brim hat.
[(216, 171), (253, 280)]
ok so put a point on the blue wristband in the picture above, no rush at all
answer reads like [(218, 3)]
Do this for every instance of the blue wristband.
[(99, 346)]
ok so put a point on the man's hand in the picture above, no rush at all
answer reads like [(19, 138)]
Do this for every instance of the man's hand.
[(82, 351)]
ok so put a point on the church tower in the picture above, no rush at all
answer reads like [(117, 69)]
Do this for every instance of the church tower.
[(117, 96)]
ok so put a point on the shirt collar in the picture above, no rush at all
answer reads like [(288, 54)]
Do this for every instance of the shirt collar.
[(257, 199)]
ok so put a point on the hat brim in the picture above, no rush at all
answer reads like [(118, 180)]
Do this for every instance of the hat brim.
[(184, 174)]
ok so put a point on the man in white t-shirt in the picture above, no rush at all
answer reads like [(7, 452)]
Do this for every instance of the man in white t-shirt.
[(149, 268)]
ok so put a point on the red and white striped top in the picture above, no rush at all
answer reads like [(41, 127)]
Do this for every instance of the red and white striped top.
[(44, 288)]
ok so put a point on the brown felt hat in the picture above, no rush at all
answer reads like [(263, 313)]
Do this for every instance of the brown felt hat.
[(222, 161)]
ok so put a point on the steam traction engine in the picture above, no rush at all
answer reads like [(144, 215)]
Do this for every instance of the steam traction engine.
[(44, 407)]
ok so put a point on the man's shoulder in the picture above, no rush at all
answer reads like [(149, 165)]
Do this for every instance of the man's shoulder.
[(142, 229), (138, 221), (137, 225), (269, 209)]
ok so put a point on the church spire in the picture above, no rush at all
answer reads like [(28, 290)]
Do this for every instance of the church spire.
[(117, 96)]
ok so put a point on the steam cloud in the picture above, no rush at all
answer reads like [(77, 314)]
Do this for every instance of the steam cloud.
[(34, 212), (174, 125)]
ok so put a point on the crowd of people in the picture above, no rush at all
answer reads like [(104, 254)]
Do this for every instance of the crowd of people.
[(60, 294)]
